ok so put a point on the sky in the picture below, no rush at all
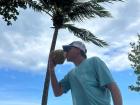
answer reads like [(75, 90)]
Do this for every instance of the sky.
[(24, 48)]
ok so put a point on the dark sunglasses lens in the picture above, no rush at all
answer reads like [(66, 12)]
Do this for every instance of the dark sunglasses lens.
[(67, 49)]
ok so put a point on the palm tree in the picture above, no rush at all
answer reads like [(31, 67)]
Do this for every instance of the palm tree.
[(65, 11)]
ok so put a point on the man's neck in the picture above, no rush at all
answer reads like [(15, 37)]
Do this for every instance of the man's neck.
[(79, 60)]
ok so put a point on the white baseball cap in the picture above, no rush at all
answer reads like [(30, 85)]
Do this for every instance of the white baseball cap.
[(76, 44)]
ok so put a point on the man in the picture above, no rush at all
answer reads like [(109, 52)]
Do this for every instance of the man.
[(90, 81)]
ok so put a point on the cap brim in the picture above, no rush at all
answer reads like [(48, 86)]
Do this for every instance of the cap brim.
[(66, 47)]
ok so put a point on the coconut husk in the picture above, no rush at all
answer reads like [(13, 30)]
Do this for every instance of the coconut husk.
[(58, 56)]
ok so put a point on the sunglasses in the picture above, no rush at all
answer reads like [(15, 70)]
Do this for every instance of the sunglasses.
[(67, 49)]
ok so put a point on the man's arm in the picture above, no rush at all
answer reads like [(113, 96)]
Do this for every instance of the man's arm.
[(115, 92), (57, 88)]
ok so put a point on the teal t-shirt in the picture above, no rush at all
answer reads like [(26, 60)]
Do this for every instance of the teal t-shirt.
[(87, 81)]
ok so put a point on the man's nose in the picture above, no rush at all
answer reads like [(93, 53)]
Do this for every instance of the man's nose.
[(65, 54)]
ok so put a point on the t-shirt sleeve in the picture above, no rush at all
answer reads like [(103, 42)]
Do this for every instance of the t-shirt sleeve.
[(65, 84), (104, 75)]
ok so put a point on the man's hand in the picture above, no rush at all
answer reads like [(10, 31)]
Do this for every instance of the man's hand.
[(57, 88), (51, 63)]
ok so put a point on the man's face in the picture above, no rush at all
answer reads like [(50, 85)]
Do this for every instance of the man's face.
[(72, 53)]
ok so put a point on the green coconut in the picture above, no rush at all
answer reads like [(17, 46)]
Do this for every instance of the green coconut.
[(58, 56)]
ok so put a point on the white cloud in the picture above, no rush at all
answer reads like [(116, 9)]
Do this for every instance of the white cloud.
[(116, 55), (119, 62), (134, 24), (26, 44), (24, 51)]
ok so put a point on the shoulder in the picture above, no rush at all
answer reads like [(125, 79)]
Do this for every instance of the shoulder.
[(94, 59)]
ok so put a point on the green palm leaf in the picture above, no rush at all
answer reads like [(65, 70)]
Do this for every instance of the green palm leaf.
[(90, 9), (85, 35), (109, 1), (35, 5)]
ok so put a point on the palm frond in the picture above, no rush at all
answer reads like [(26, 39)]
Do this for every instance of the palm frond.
[(36, 6), (109, 1), (85, 35), (46, 5), (89, 9)]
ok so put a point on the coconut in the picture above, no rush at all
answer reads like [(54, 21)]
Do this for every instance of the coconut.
[(58, 56)]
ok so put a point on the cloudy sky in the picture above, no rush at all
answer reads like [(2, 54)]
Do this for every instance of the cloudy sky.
[(24, 48)]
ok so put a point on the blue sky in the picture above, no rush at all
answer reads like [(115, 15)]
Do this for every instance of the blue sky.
[(24, 48)]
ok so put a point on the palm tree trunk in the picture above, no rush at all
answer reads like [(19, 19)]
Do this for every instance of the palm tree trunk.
[(47, 78)]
